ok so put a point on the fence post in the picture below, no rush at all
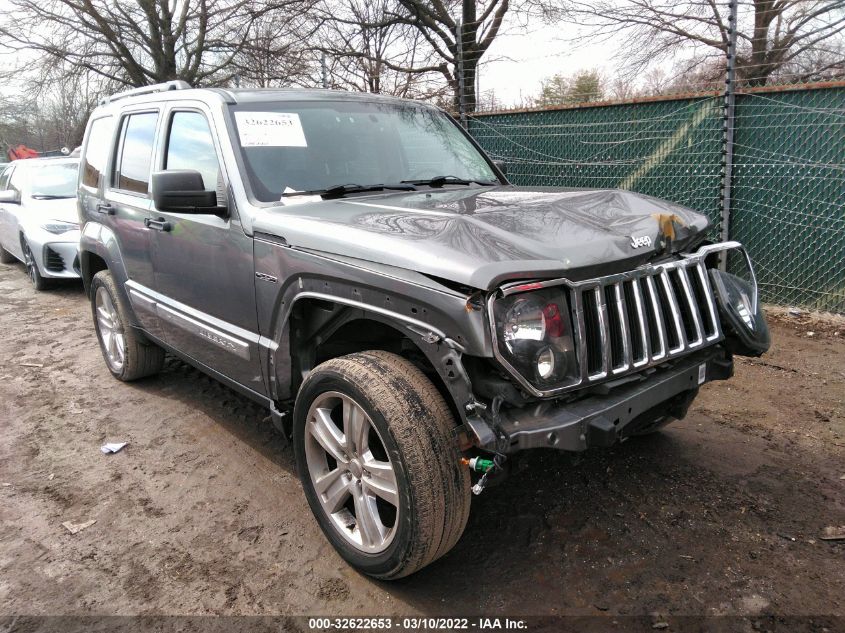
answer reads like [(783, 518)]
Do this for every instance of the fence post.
[(728, 129), (459, 68)]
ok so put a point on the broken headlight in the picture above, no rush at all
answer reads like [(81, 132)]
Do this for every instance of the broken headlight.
[(534, 335), (736, 295)]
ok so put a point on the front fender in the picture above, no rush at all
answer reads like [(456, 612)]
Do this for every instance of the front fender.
[(434, 317)]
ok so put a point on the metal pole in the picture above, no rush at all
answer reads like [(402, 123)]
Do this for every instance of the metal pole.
[(324, 70), (459, 68), (477, 84), (728, 128)]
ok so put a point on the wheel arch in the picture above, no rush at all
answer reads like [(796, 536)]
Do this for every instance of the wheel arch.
[(321, 328), (90, 263)]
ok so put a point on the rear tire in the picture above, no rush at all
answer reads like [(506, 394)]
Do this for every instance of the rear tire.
[(412, 430), (126, 356)]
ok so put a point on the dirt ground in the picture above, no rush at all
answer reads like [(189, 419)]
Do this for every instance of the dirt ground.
[(202, 513)]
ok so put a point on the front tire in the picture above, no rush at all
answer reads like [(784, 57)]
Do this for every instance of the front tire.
[(126, 357), (38, 282), (379, 463)]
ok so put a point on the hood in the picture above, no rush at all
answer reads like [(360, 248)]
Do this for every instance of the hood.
[(63, 209), (481, 237)]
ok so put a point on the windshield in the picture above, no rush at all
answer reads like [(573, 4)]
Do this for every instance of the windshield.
[(290, 147), (53, 181)]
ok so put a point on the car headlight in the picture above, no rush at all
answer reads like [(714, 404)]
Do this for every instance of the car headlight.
[(534, 335), (57, 227), (745, 326)]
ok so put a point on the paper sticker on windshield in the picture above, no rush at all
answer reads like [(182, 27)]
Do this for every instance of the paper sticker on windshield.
[(270, 129)]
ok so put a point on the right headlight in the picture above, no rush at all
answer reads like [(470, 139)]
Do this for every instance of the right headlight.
[(534, 335), (745, 326)]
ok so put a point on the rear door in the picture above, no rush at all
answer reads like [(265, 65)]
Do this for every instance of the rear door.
[(126, 206), (204, 271)]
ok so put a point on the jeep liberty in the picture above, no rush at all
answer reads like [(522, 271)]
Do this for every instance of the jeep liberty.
[(410, 319)]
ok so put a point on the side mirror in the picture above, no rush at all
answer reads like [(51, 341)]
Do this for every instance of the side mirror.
[(182, 191), (10, 196), (502, 166)]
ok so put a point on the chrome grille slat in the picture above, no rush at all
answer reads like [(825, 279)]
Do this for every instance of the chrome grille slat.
[(693, 307), (642, 324), (654, 298), (675, 310), (581, 334), (625, 327), (604, 332), (704, 279)]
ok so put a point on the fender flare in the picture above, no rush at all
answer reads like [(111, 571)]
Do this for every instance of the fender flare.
[(441, 351)]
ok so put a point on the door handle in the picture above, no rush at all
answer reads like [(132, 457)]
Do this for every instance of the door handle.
[(105, 208), (158, 225)]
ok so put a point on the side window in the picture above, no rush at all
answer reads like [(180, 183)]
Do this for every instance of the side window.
[(4, 178), (96, 151), (190, 146), (136, 151), (16, 181)]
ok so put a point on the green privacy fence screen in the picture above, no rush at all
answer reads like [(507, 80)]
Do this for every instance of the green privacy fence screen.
[(788, 183)]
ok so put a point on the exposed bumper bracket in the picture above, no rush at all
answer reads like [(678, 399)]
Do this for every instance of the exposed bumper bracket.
[(602, 420)]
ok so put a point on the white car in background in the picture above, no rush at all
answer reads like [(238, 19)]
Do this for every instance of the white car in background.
[(39, 223)]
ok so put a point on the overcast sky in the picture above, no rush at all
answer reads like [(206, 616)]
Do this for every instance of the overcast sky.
[(537, 53)]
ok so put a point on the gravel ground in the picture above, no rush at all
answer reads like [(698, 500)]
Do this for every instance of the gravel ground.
[(202, 513)]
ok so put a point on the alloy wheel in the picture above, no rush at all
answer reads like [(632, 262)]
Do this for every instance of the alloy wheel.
[(29, 262), (351, 472), (111, 330)]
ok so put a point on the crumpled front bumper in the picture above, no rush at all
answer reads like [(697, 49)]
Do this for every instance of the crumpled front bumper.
[(603, 419)]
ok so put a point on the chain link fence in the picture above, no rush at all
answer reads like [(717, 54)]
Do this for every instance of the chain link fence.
[(788, 184)]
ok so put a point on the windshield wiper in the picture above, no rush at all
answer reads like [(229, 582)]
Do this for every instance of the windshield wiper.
[(49, 196), (439, 181), (338, 191)]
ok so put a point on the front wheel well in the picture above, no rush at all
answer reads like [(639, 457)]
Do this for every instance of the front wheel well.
[(90, 264), (321, 331)]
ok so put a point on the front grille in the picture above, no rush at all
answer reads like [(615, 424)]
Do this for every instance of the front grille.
[(53, 261), (632, 320)]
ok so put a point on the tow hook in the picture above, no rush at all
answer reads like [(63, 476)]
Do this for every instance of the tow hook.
[(484, 466)]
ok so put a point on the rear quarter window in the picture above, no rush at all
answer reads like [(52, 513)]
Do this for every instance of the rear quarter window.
[(97, 151), (136, 152)]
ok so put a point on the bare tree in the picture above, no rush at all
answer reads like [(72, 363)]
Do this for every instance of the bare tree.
[(138, 42), (51, 114), (773, 35), (436, 22), (278, 51), (367, 51)]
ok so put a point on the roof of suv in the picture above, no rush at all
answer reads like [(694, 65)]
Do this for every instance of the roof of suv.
[(180, 90), (253, 95)]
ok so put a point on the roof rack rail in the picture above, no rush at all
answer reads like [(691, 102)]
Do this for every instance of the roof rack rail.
[(176, 84)]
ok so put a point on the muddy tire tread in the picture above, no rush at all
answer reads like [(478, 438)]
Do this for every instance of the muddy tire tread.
[(424, 429), (142, 359)]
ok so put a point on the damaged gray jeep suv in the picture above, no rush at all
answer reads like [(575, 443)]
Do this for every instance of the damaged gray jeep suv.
[(358, 265)]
